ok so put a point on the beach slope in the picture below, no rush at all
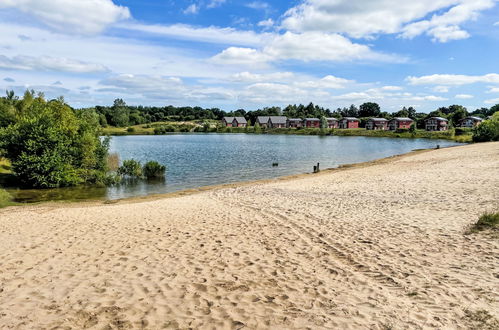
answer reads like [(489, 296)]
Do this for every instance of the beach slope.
[(376, 246)]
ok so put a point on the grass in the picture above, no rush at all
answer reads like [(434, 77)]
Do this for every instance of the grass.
[(4, 166), (5, 199), (488, 221)]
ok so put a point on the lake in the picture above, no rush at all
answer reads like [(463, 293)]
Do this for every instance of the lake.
[(196, 160)]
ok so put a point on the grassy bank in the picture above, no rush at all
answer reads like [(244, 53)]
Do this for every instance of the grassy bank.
[(459, 135)]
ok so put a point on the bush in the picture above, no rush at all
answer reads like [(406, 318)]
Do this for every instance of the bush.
[(163, 129), (113, 162), (130, 129), (153, 169), (488, 130), (5, 198), (50, 145), (130, 168)]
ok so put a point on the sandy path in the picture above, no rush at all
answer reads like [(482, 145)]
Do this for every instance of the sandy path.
[(378, 247)]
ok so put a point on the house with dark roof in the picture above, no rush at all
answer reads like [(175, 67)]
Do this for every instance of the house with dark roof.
[(332, 122), (294, 122), (436, 124), (277, 122), (470, 122), (262, 121), (234, 122), (377, 124), (400, 123), (348, 122), (312, 122)]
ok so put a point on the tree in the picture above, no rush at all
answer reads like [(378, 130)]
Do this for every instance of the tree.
[(257, 128), (120, 113), (369, 109), (50, 145)]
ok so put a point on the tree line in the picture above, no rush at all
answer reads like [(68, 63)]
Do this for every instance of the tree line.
[(122, 115)]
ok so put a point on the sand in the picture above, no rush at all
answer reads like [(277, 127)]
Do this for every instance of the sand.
[(376, 246)]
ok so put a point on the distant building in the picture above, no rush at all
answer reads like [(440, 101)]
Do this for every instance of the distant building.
[(400, 123), (262, 121), (332, 123), (436, 124), (234, 122), (312, 122), (348, 122), (377, 124), (277, 122), (470, 122), (295, 122)]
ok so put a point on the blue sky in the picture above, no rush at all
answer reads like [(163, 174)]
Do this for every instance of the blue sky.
[(248, 54)]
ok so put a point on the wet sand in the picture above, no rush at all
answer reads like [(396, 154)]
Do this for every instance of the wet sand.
[(377, 245)]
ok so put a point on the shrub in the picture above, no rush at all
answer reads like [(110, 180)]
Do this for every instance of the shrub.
[(153, 169), (130, 129), (488, 130), (130, 168), (113, 162)]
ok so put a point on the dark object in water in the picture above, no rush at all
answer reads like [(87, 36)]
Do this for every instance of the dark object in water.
[(316, 168), (438, 146), (275, 164)]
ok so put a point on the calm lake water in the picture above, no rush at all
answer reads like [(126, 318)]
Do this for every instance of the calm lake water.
[(196, 160)]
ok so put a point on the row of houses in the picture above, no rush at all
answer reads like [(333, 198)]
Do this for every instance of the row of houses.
[(431, 124)]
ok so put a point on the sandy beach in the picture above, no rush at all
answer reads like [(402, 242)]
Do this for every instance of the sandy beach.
[(376, 246)]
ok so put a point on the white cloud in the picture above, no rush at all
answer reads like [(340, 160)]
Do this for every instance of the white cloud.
[(242, 56), (47, 63), (258, 5), (492, 101), (191, 9), (359, 18), (445, 27), (441, 89), (452, 79), (493, 90), (496, 24), (205, 34), (75, 16), (328, 82), (215, 3), (309, 46), (248, 77), (391, 88), (464, 96), (268, 23)]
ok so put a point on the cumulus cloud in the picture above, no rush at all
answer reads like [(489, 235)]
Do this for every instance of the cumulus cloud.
[(268, 23), (493, 90), (452, 79), (359, 18), (309, 46), (441, 89), (464, 96), (8, 79), (47, 63), (75, 16), (445, 27)]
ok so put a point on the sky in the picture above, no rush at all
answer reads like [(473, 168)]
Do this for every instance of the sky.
[(234, 54)]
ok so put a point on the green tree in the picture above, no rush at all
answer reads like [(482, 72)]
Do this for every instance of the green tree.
[(369, 109), (50, 145), (120, 113), (257, 128)]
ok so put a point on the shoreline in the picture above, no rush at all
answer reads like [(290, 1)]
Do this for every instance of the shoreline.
[(193, 191), (370, 245)]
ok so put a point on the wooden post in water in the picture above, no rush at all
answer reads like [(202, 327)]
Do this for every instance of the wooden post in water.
[(316, 168)]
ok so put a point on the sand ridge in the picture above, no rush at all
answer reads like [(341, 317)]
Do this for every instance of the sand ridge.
[(374, 246)]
